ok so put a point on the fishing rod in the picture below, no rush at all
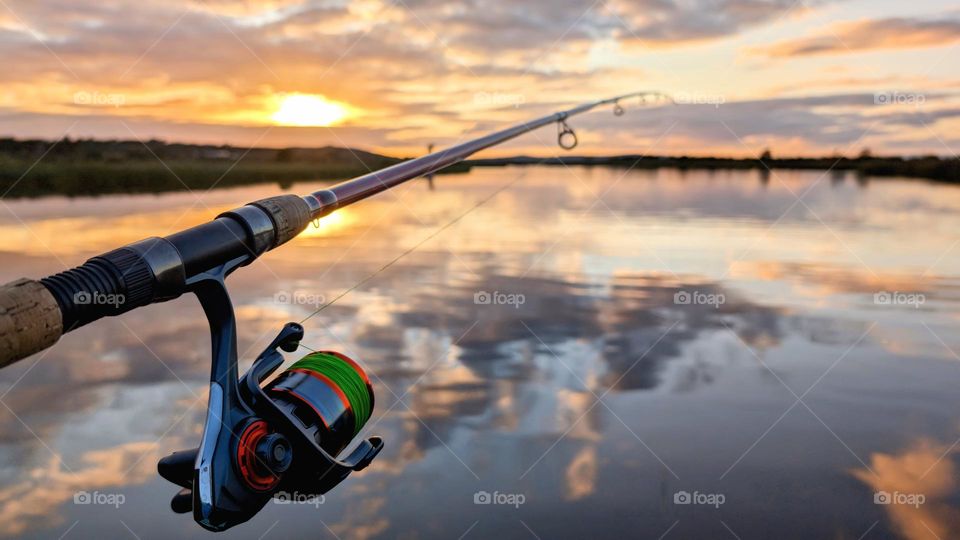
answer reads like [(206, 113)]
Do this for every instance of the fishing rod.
[(259, 440)]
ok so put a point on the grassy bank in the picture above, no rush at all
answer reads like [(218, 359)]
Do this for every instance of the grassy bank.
[(92, 178), (36, 168)]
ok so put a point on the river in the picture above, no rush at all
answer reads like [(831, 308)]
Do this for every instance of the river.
[(592, 353)]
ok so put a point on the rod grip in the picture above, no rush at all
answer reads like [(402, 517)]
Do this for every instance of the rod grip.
[(30, 320)]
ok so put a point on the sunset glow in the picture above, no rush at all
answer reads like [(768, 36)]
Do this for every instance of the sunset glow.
[(308, 111)]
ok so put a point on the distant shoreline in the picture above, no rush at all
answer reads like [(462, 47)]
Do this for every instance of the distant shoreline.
[(87, 167), (929, 168)]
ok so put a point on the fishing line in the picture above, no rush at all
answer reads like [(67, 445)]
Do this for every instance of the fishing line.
[(417, 245)]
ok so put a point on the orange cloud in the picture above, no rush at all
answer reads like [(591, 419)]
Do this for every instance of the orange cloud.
[(927, 470), (32, 502), (892, 33)]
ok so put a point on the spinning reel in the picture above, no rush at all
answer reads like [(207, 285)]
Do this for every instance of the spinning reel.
[(259, 439)]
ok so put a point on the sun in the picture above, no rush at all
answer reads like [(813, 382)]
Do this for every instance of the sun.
[(309, 110)]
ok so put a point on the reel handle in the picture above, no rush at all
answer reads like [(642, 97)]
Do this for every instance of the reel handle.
[(177, 468)]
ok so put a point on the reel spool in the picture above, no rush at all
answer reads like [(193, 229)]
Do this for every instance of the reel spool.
[(329, 394)]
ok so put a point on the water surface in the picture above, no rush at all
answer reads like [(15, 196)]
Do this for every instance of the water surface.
[(814, 366)]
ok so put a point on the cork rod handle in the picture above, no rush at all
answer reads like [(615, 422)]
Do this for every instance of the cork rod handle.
[(30, 320)]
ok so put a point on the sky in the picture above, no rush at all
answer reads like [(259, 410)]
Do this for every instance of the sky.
[(800, 77)]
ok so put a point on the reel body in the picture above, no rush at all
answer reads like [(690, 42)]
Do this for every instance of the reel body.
[(260, 440)]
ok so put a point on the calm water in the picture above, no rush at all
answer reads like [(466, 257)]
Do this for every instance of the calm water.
[(785, 388)]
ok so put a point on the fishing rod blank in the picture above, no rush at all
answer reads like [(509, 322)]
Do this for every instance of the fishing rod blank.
[(258, 441)]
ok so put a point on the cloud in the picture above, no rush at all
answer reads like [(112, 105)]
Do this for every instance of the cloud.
[(891, 33), (814, 125), (817, 125), (673, 21), (33, 501), (542, 25), (927, 469), (418, 62)]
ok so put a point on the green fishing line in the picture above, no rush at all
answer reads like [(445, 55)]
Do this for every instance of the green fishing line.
[(344, 376)]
